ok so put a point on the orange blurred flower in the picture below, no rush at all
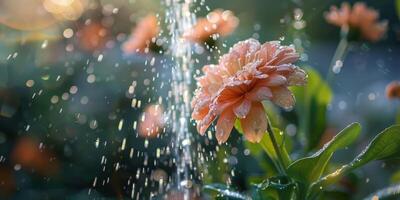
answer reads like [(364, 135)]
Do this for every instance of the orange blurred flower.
[(152, 121), (393, 90), (143, 36), (27, 154), (359, 17), (217, 22), (234, 89), (92, 36)]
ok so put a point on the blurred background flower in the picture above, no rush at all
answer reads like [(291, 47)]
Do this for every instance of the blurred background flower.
[(218, 23), (151, 121), (393, 90), (359, 17), (143, 37)]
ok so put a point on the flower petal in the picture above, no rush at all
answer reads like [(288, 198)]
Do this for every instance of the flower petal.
[(275, 80), (224, 126), (298, 77), (203, 125), (259, 94), (283, 97), (242, 109), (255, 124)]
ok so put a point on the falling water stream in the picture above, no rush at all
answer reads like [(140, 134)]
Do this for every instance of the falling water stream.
[(180, 19)]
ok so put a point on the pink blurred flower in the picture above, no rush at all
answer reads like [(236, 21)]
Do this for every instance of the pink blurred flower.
[(143, 36), (235, 88), (359, 17), (151, 122), (221, 22), (393, 90)]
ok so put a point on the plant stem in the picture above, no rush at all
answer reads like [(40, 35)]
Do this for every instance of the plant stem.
[(340, 52), (276, 148)]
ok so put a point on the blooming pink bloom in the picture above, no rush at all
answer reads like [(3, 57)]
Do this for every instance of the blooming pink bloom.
[(143, 35), (360, 17), (393, 90), (151, 122), (218, 22), (235, 88)]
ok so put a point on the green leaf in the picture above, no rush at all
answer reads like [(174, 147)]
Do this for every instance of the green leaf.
[(312, 101), (225, 191), (277, 187), (310, 169), (268, 147), (391, 191), (398, 8), (273, 114), (384, 146), (395, 177), (398, 116)]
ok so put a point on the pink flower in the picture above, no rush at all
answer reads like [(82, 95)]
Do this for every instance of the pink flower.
[(359, 17), (151, 122), (235, 88), (218, 22), (143, 36), (393, 90)]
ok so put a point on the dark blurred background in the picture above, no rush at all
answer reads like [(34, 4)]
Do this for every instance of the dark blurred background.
[(67, 123)]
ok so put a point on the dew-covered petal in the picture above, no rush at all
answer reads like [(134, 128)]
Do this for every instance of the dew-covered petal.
[(255, 124), (275, 80), (259, 94), (205, 122), (283, 97), (225, 125), (242, 108), (297, 77), (287, 59)]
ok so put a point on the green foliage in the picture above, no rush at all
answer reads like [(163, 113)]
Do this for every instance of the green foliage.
[(311, 106), (269, 149), (303, 179), (225, 192), (384, 146), (398, 116), (395, 177), (398, 7), (310, 169), (274, 188), (278, 187)]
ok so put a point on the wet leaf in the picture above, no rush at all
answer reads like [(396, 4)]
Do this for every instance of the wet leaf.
[(225, 191), (277, 187), (384, 146), (311, 107), (310, 169), (268, 147)]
